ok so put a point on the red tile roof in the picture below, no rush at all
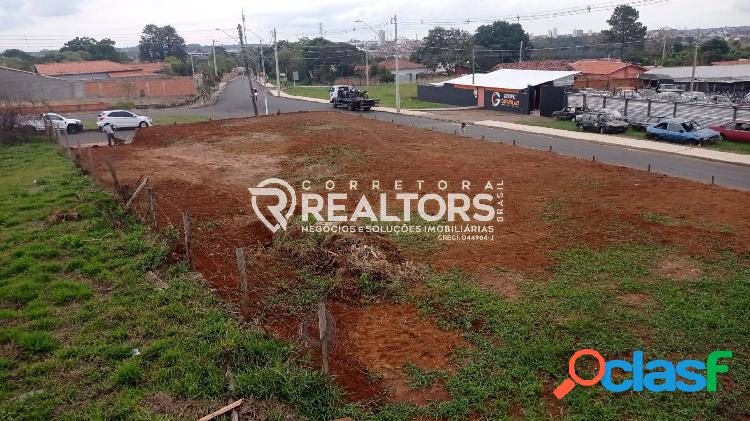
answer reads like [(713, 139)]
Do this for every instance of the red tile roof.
[(600, 67), (95, 66), (402, 65), (553, 65)]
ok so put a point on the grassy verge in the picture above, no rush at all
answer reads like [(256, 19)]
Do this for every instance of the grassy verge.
[(161, 121), (726, 146), (85, 335), (386, 94), (569, 125)]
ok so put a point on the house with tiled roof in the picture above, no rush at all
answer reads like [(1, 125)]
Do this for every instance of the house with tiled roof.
[(607, 74), (97, 69), (550, 65), (407, 70)]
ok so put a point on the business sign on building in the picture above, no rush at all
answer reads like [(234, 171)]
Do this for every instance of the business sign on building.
[(508, 102)]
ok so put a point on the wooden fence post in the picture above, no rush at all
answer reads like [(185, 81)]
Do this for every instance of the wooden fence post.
[(323, 329), (151, 210), (188, 238), (91, 160), (241, 266), (116, 182), (135, 193)]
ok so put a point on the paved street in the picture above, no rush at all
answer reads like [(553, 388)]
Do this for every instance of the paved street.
[(235, 102)]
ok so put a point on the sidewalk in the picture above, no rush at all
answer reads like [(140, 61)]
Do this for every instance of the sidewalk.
[(695, 152)]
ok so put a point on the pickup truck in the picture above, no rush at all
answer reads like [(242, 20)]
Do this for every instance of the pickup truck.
[(59, 122), (351, 98)]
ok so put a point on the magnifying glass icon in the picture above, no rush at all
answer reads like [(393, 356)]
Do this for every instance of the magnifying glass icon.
[(568, 384)]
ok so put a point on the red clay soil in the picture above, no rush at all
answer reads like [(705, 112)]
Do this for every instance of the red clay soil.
[(551, 203)]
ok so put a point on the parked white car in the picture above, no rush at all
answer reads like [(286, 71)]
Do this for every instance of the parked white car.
[(122, 119), (71, 125)]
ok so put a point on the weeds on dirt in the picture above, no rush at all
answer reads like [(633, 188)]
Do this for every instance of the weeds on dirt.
[(85, 335), (420, 378), (663, 219), (344, 266)]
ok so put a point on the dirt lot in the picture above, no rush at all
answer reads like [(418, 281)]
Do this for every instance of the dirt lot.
[(552, 203)]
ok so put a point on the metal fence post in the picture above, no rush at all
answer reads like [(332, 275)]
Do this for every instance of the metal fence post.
[(604, 102), (648, 109), (674, 113), (625, 111)]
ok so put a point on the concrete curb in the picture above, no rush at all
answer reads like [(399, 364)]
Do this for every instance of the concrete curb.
[(644, 145), (693, 152)]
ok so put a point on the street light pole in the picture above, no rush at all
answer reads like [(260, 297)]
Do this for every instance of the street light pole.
[(473, 64), (695, 62), (248, 72), (395, 46), (213, 52), (367, 69), (276, 58)]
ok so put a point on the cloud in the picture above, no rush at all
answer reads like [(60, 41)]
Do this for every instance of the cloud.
[(18, 13), (742, 5)]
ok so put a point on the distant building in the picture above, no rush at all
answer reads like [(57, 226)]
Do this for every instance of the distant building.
[(97, 69), (733, 78), (554, 65), (606, 74), (381, 37), (407, 70), (578, 33)]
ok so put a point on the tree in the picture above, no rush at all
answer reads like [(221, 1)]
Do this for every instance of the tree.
[(624, 27), (443, 48), (715, 49), (158, 43), (93, 49), (500, 35)]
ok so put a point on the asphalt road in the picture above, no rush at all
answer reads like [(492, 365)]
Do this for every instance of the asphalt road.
[(235, 102)]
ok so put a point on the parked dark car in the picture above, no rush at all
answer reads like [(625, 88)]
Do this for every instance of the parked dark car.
[(600, 122), (681, 131), (642, 124), (736, 131), (569, 113)]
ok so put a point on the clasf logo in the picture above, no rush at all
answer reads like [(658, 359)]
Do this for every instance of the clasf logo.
[(654, 376)]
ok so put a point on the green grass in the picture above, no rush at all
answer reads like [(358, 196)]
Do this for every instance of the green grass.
[(724, 145), (84, 335), (160, 121), (727, 146), (385, 93), (570, 125)]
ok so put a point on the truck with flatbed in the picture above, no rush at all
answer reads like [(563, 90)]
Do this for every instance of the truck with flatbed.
[(347, 96)]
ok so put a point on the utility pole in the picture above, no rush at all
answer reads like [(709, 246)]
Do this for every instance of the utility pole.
[(395, 46), (367, 69), (213, 52), (276, 58), (695, 62), (192, 65), (663, 51), (248, 72), (520, 53), (473, 63), (320, 29)]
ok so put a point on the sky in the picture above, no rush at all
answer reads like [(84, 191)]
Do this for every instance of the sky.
[(33, 25)]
